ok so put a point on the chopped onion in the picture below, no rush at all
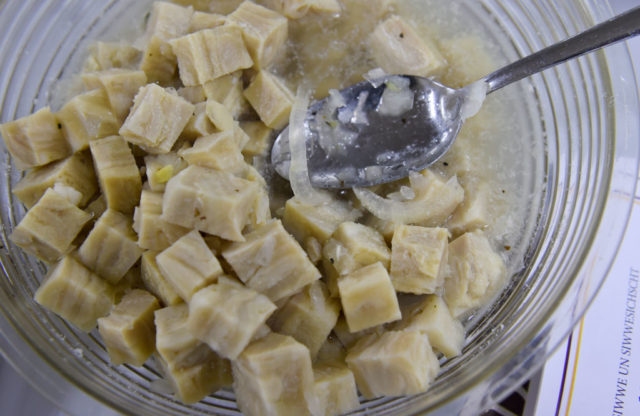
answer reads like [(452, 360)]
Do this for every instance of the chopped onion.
[(391, 210), (375, 77), (475, 95), (298, 170)]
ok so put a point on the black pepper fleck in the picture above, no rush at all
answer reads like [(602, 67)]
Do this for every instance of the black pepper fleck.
[(59, 125), (445, 163), (331, 260), (401, 35)]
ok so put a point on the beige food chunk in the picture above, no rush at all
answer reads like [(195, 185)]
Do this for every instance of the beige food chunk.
[(108, 55), (227, 315), (211, 53), (193, 94), (273, 376), (259, 139), (264, 31), (87, 117), (393, 364), (308, 316), (432, 316), (320, 221), (368, 298), (132, 280), (49, 227), (128, 332), (352, 246), (198, 125), (219, 115), (293, 9), (161, 168), (227, 90), (189, 265), (35, 140), (120, 86), (271, 99), (313, 248), (192, 368), (167, 21), (418, 258), (154, 233), (157, 118), (384, 227), (110, 249), (399, 49), (215, 202), (96, 208), (217, 6), (118, 173), (76, 172), (335, 388), (271, 261), (216, 151), (203, 20), (477, 273), (440, 197), (326, 6), (155, 282), (76, 294), (473, 213)]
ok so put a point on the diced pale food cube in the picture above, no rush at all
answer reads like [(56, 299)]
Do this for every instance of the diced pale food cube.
[(393, 364), (368, 298), (214, 202), (271, 261), (227, 315)]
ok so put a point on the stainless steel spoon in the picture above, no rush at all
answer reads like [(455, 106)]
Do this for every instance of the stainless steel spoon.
[(380, 130)]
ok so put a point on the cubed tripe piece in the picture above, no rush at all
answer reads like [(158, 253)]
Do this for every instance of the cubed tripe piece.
[(219, 115), (259, 138), (319, 221), (227, 90), (211, 53), (110, 249), (203, 20), (189, 265), (75, 171), (155, 282), (49, 227), (365, 244), (271, 261), (473, 213), (129, 332), (227, 315), (157, 118), (216, 151), (393, 364), (107, 55), (477, 272), (293, 9), (308, 316), (368, 298), (35, 140), (192, 368), (399, 49), (335, 388), (118, 173), (271, 99), (167, 21), (75, 293), (211, 201), (432, 316), (264, 31), (273, 376), (154, 233), (198, 125), (418, 258), (87, 117), (120, 85)]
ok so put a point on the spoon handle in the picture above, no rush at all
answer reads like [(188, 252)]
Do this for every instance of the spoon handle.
[(613, 30)]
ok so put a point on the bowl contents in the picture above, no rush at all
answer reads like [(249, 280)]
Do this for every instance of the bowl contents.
[(149, 196)]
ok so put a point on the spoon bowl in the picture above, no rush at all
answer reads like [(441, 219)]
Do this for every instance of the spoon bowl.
[(380, 130)]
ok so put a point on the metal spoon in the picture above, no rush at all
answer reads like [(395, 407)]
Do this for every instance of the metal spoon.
[(380, 130)]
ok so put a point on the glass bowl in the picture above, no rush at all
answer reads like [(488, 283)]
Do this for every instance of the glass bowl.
[(583, 165)]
